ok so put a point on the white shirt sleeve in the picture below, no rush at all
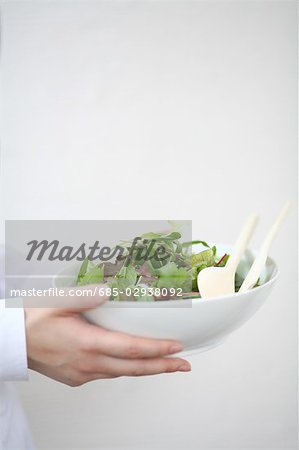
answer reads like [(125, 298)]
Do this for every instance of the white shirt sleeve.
[(13, 354)]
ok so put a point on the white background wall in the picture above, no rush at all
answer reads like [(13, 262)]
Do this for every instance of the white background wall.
[(151, 110)]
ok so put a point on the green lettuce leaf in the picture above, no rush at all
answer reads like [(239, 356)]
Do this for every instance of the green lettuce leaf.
[(171, 276), (93, 276)]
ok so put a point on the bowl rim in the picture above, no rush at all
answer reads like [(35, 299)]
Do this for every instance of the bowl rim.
[(161, 303), (273, 278), (219, 298)]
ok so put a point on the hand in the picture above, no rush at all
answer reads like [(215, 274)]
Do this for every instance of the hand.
[(62, 345)]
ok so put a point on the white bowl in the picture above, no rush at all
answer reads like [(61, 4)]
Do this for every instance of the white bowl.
[(199, 324)]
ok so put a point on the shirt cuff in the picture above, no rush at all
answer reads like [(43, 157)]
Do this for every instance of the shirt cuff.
[(13, 353)]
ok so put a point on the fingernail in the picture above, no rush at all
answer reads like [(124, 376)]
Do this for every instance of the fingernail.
[(184, 367), (175, 348)]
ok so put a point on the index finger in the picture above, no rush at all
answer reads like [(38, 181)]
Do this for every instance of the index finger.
[(122, 345)]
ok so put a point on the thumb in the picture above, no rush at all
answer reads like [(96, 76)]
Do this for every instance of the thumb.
[(82, 298), (74, 299)]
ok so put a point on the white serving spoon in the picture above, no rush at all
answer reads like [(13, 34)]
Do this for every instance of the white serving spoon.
[(259, 262), (215, 281)]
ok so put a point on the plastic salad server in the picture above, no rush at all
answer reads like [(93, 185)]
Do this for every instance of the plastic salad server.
[(215, 281), (259, 262)]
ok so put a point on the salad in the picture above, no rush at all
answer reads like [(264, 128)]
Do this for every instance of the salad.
[(138, 274)]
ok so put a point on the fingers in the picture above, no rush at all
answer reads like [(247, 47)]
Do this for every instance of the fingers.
[(122, 345), (115, 367)]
